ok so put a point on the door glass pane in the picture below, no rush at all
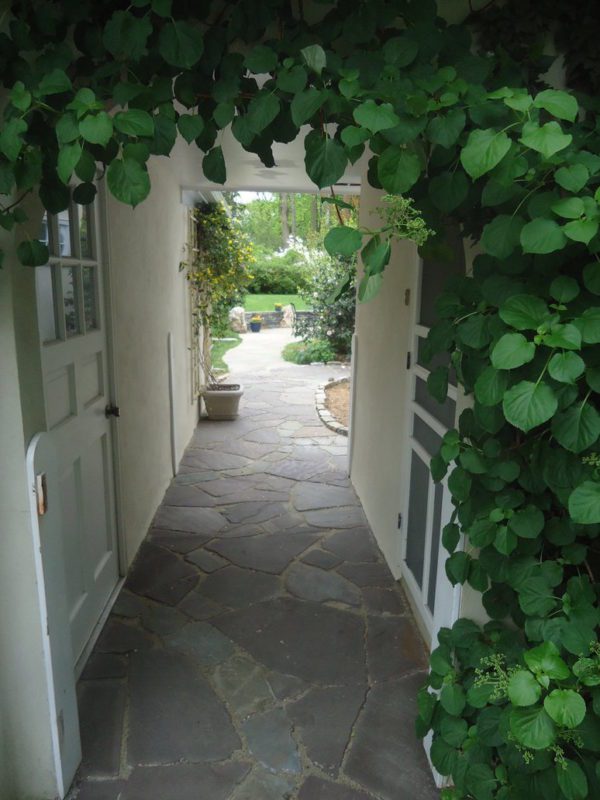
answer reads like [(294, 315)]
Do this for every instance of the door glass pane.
[(438, 360), (45, 231), (90, 298), (443, 412), (71, 306), (64, 234), (426, 437), (85, 231), (46, 303), (435, 544), (417, 518)]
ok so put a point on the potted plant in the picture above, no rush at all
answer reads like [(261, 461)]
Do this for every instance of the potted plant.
[(278, 307), (255, 323), (221, 400)]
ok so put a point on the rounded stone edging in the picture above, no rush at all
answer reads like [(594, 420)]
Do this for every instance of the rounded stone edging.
[(325, 415)]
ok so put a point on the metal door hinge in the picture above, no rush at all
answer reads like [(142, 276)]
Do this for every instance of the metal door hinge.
[(112, 411), (399, 521), (408, 360)]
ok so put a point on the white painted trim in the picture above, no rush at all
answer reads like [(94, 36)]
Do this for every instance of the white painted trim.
[(353, 390), (172, 414), (102, 244), (43, 611)]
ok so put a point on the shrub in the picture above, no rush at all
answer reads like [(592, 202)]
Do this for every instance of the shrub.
[(278, 273), (332, 319), (308, 352)]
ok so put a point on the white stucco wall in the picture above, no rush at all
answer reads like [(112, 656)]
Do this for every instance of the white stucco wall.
[(25, 749), (379, 416), (149, 299)]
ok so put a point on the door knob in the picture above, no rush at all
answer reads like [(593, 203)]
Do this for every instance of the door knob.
[(112, 411)]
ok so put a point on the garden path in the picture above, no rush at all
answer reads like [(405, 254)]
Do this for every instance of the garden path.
[(260, 648)]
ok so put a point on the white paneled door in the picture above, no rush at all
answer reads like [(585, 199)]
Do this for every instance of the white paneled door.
[(73, 339), (427, 505)]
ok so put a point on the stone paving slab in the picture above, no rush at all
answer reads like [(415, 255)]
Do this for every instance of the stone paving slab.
[(261, 649)]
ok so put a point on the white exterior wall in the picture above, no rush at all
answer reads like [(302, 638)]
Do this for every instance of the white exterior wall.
[(26, 763), (380, 413), (150, 298)]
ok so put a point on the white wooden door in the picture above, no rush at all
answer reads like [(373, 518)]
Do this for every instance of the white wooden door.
[(72, 326), (427, 505)]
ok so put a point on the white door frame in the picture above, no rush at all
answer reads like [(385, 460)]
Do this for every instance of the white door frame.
[(448, 598)]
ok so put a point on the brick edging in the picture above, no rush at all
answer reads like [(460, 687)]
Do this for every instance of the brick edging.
[(325, 415)]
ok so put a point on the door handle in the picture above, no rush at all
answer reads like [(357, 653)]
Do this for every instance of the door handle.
[(112, 411)]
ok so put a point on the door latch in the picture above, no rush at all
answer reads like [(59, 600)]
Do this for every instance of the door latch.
[(112, 411)]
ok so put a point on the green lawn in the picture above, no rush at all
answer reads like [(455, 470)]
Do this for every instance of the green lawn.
[(219, 349), (266, 302)]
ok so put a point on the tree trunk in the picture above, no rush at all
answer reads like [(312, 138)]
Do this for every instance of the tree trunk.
[(293, 209), (283, 213), (314, 213)]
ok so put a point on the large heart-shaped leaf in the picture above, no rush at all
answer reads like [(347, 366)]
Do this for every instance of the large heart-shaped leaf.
[(128, 181), (577, 428), (375, 117), (524, 312), (547, 139), (532, 727), (181, 44), (213, 165), (325, 159), (398, 170), (501, 236), (484, 150), (584, 503), (566, 707), (558, 103), (343, 241), (523, 689), (529, 404), (511, 351), (542, 236)]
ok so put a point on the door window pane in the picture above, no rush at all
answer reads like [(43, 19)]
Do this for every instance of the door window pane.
[(417, 518), (46, 303), (435, 545), (90, 299), (426, 437), (64, 234), (71, 305), (84, 214), (443, 412), (436, 274)]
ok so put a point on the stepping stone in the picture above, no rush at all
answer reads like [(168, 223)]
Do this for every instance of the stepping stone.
[(263, 785), (128, 605), (393, 647), (190, 496), (245, 686), (177, 541), (104, 665), (313, 642), (296, 470), (309, 496), (315, 788), (199, 607), (385, 755), (185, 781), (269, 738), (325, 718), (263, 436), (342, 517), (238, 588), (225, 486), (192, 477), (266, 552), (213, 460), (204, 643), (368, 574), (208, 562), (356, 544), (174, 715), (163, 619), (255, 511), (319, 558), (120, 637), (383, 601), (284, 687), (100, 790), (159, 574), (192, 520), (101, 709), (311, 583)]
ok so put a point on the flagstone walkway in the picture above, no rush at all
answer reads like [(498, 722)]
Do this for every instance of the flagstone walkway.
[(260, 649)]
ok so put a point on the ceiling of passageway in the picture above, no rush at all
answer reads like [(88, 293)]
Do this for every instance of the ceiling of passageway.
[(246, 172)]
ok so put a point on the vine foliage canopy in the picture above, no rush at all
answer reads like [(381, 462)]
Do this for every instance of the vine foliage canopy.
[(479, 142)]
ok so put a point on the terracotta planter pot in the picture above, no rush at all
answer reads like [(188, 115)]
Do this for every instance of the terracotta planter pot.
[(222, 400)]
